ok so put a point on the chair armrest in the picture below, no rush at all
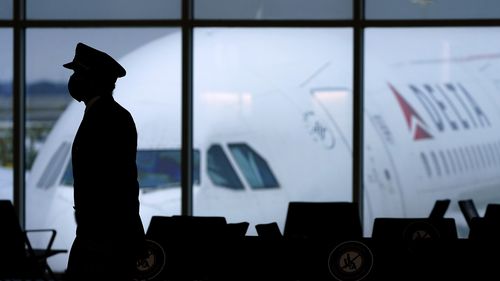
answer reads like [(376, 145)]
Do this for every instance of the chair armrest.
[(52, 236)]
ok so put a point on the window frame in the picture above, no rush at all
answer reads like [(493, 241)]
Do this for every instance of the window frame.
[(188, 23)]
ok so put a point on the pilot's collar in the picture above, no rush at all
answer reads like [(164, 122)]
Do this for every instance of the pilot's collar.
[(91, 102)]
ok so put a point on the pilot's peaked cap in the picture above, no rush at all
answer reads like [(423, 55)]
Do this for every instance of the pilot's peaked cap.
[(94, 61)]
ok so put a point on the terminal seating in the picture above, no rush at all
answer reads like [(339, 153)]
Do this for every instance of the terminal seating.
[(412, 229), (205, 248), (237, 229), (322, 233), (469, 210), (209, 248), (429, 248), (439, 209), (185, 227), (190, 244), (416, 248), (323, 220), (492, 212), (323, 241), (483, 243), (18, 259), (268, 231), (486, 228)]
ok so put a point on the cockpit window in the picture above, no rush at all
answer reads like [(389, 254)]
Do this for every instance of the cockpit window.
[(162, 168), (155, 168), (67, 178), (55, 167), (220, 170), (254, 167)]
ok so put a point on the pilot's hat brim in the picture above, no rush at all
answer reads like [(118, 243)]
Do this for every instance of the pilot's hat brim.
[(94, 61)]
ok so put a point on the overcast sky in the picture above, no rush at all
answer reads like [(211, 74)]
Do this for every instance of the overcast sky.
[(254, 9), (47, 49), (5, 54)]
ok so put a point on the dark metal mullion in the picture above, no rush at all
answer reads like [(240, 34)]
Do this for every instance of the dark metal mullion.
[(101, 23), (358, 111), (433, 23), (347, 23), (191, 22), (187, 110), (253, 23), (272, 23), (6, 23), (19, 199)]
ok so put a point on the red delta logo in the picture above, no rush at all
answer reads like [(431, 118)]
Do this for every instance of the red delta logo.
[(449, 107), (415, 123)]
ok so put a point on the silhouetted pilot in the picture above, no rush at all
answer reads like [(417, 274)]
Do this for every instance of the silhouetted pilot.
[(109, 234)]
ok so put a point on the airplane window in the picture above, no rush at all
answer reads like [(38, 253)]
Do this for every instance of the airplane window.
[(51, 171), (67, 178), (156, 169), (254, 167), (162, 168), (220, 170)]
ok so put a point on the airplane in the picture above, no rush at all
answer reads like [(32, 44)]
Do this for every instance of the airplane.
[(276, 126), (5, 180)]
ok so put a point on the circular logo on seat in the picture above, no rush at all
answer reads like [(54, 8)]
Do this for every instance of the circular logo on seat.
[(420, 231), (350, 261), (153, 262)]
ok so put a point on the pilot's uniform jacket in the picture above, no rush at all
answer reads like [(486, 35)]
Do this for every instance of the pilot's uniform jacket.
[(105, 186)]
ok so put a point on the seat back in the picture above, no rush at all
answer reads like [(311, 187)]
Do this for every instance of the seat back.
[(323, 220), (469, 210), (12, 238), (486, 228), (268, 230), (186, 227), (492, 212), (411, 229), (18, 260), (439, 209), (191, 244), (237, 229)]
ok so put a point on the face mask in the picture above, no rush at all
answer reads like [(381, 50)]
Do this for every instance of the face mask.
[(77, 87)]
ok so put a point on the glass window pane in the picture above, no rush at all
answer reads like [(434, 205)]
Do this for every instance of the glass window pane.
[(6, 114), (103, 9), (431, 120), (286, 93), (150, 91), (432, 9), (273, 9), (253, 166), (5, 9), (157, 169), (220, 170)]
